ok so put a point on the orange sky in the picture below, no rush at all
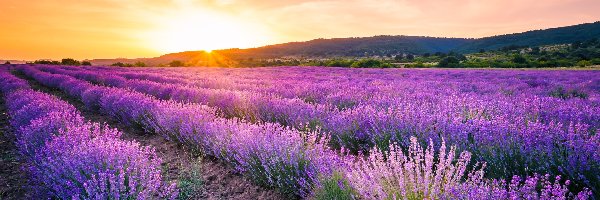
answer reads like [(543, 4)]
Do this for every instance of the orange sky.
[(54, 29)]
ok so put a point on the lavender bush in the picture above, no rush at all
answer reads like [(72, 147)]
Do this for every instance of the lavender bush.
[(429, 174), (272, 155), (509, 119), (70, 158), (517, 122)]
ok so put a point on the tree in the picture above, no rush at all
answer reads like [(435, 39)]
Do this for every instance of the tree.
[(535, 51), (176, 63), (86, 63), (44, 62), (370, 63), (140, 64), (410, 57), (449, 61), (584, 63), (7, 63), (398, 57), (70, 61), (519, 59), (118, 64)]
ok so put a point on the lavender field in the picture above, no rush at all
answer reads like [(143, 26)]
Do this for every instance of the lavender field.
[(306, 132)]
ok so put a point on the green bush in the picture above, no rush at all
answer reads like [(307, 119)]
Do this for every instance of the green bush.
[(335, 187), (176, 63), (140, 64), (70, 61), (584, 63), (371, 63), (449, 61)]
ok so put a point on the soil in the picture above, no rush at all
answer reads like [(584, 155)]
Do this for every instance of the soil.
[(13, 180), (204, 176)]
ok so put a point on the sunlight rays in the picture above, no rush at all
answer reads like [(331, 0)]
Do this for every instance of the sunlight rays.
[(197, 29)]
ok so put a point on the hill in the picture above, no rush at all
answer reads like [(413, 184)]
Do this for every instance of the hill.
[(384, 45), (351, 47), (562, 35)]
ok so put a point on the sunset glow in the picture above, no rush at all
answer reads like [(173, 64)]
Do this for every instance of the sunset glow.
[(188, 30), (137, 28)]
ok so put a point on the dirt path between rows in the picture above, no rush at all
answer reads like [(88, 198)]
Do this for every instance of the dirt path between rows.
[(199, 177), (13, 180)]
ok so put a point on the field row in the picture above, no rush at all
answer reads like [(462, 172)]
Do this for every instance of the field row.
[(69, 157), (510, 133), (305, 161)]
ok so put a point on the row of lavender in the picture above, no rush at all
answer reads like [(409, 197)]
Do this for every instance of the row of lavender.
[(68, 157), (385, 91), (512, 133), (324, 85), (90, 76), (270, 154)]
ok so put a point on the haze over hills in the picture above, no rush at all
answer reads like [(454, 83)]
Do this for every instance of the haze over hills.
[(383, 46)]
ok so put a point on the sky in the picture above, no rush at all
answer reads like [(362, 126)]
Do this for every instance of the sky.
[(54, 29)]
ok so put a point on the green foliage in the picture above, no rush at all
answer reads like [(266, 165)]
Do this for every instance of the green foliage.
[(46, 62), (86, 63), (140, 64), (561, 92), (335, 187), (563, 35), (190, 182), (339, 63), (120, 64), (518, 58), (584, 63), (176, 63), (582, 54), (371, 63), (419, 64), (449, 61), (70, 61)]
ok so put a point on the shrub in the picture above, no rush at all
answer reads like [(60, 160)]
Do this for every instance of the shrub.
[(140, 64), (370, 63), (335, 187), (415, 175), (120, 64), (422, 174), (70, 61), (449, 61), (176, 63), (584, 63)]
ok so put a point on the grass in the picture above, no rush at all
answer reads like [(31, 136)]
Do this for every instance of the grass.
[(190, 181)]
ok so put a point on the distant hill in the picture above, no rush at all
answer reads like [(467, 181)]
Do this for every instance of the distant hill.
[(562, 35), (355, 47), (380, 46)]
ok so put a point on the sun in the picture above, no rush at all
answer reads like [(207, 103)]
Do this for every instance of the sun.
[(195, 30)]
